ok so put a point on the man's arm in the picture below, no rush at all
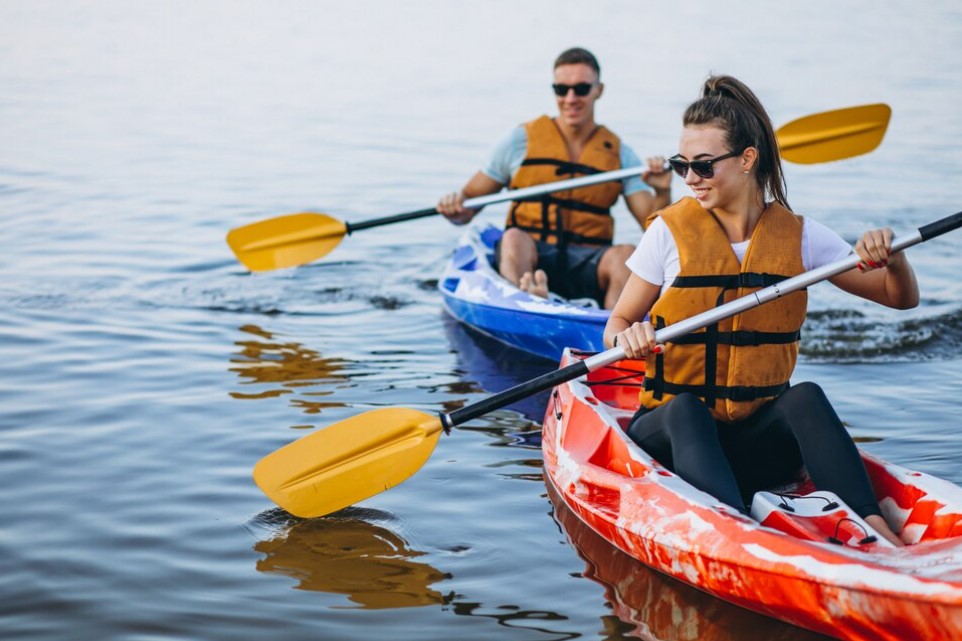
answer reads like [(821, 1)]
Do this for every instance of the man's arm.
[(643, 203), (452, 205), (505, 159), (640, 201)]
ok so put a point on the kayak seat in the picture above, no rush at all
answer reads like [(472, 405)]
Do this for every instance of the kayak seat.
[(816, 516)]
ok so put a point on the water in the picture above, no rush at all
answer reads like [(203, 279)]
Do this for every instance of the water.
[(144, 371)]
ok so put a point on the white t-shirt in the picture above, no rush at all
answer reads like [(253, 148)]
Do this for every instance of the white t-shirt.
[(656, 260)]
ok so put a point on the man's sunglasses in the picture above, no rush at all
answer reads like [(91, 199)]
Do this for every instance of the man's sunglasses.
[(581, 89), (703, 168)]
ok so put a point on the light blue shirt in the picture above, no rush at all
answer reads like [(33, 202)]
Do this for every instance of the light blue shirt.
[(510, 152)]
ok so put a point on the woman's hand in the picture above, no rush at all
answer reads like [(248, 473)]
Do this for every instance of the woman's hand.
[(882, 277), (875, 248), (638, 341)]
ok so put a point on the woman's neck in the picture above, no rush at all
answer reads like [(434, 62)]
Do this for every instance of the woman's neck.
[(738, 219)]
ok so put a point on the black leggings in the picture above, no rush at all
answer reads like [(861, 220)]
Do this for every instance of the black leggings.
[(732, 461)]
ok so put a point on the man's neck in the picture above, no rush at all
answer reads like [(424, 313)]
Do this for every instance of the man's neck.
[(576, 135)]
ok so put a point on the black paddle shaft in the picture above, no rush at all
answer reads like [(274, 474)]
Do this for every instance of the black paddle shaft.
[(424, 213), (387, 220), (940, 227), (516, 393)]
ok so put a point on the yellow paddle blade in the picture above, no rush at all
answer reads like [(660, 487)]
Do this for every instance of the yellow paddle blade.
[(286, 241), (833, 135), (348, 461)]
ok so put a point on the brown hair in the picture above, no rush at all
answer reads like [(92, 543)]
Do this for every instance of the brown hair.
[(576, 56), (729, 104)]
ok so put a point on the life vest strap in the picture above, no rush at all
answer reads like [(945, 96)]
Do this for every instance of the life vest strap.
[(729, 281), (565, 203), (740, 338), (735, 393), (543, 233), (656, 383), (564, 167), (569, 203)]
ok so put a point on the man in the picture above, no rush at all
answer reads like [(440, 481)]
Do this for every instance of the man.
[(565, 238)]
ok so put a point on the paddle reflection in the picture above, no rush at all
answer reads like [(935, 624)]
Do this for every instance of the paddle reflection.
[(285, 366), (348, 554), (650, 605), (371, 565)]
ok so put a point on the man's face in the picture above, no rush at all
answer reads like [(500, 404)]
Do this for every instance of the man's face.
[(575, 110)]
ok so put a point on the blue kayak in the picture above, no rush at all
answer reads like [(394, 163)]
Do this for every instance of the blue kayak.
[(475, 294)]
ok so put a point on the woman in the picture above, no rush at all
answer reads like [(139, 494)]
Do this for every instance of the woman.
[(717, 407)]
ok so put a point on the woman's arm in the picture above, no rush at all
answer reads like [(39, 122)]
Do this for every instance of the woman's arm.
[(626, 323), (881, 278)]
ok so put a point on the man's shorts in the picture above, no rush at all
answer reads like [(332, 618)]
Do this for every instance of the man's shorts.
[(572, 273)]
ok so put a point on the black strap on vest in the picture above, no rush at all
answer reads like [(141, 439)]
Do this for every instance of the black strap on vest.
[(741, 338), (656, 384), (729, 281), (554, 225), (568, 203), (564, 167), (733, 393), (711, 338)]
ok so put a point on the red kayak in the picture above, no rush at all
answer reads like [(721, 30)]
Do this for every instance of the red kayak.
[(804, 557)]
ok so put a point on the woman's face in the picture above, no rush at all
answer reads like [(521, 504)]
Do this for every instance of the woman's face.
[(731, 176)]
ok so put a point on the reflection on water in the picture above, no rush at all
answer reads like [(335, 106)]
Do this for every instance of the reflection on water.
[(487, 366), (350, 554), (285, 367), (652, 606), (490, 366)]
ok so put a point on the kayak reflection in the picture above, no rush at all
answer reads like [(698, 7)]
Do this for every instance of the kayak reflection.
[(495, 366), (652, 606), (347, 554)]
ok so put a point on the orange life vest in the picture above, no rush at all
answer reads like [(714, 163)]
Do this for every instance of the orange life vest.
[(739, 363), (580, 215)]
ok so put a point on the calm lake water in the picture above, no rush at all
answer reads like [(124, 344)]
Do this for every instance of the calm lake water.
[(144, 371)]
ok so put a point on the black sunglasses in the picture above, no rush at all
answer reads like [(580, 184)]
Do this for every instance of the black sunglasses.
[(703, 168), (580, 89)]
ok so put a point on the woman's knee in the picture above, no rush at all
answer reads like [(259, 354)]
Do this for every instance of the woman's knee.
[(687, 412), (803, 397), (674, 419), (810, 414)]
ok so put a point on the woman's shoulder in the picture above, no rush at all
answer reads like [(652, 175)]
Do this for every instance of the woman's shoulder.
[(821, 244), (657, 237), (819, 232)]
